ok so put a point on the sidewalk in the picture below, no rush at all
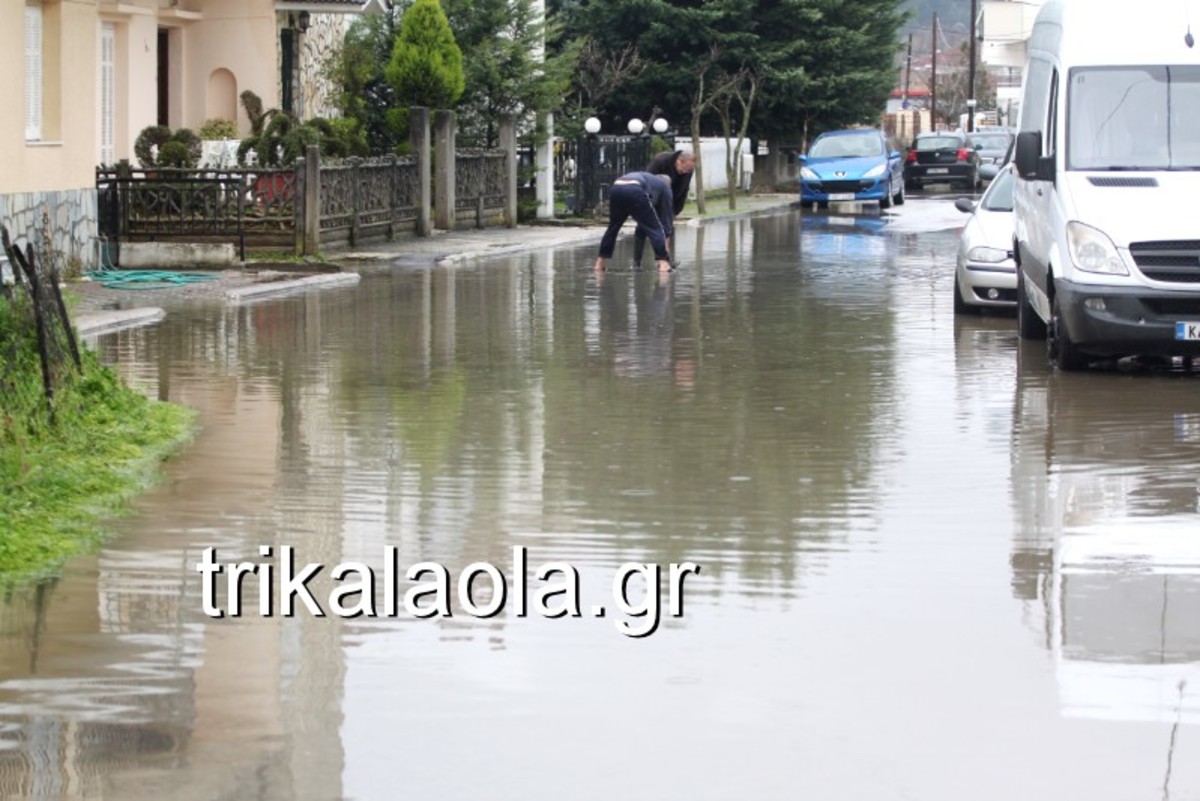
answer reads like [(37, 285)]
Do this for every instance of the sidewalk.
[(98, 309)]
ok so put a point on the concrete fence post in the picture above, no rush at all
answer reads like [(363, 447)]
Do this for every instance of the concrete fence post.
[(418, 138), (508, 143), (355, 200), (444, 150), (298, 208), (312, 201)]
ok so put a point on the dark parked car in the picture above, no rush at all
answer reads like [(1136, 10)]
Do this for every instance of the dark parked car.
[(942, 157)]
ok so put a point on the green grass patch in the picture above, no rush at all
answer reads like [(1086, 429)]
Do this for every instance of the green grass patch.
[(63, 476)]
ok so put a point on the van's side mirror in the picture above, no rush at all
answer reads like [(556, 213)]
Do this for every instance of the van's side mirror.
[(1031, 165)]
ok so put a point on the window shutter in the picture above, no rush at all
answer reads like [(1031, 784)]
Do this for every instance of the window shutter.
[(33, 72), (107, 93)]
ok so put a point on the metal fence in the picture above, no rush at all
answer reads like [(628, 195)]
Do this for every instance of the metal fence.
[(256, 206), (586, 167)]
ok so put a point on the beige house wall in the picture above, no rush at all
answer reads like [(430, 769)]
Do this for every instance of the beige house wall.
[(236, 38), (216, 50), (63, 159)]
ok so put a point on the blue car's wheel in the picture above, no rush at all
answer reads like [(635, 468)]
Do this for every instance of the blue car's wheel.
[(885, 202)]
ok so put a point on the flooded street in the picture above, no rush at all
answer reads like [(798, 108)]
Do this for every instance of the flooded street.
[(929, 566)]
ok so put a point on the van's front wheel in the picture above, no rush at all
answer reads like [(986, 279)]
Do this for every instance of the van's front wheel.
[(1029, 325), (1062, 351)]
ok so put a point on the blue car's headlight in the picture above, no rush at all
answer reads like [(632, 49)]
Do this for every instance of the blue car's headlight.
[(809, 175), (876, 171)]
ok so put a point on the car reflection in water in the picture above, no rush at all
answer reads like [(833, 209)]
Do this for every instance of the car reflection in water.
[(843, 236), (1108, 538)]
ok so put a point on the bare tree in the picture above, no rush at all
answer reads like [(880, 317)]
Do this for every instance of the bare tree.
[(600, 73), (705, 97), (742, 90)]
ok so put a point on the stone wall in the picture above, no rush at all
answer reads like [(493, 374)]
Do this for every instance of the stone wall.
[(72, 217), (323, 39)]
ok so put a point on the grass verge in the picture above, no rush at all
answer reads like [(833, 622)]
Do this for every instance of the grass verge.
[(62, 479)]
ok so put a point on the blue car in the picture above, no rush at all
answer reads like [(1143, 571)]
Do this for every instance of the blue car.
[(852, 165)]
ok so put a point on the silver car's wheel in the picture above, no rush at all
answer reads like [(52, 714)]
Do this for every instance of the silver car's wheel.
[(960, 305)]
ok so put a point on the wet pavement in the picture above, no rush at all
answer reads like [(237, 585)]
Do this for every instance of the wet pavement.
[(930, 567)]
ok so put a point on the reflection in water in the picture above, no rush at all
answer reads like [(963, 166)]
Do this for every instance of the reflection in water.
[(804, 425), (1107, 538), (450, 413)]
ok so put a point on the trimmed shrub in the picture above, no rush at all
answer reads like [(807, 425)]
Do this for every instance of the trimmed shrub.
[(148, 141), (219, 128)]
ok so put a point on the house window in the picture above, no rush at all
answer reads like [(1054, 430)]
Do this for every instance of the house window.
[(33, 72)]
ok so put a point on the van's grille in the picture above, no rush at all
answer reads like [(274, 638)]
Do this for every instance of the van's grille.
[(1113, 181), (1178, 261), (1183, 308)]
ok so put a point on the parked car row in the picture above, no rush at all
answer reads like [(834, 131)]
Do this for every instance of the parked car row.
[(858, 164)]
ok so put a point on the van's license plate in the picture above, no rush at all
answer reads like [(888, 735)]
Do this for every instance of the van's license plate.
[(842, 196), (938, 171), (1187, 331)]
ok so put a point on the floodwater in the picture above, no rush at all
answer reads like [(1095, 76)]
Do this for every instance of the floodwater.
[(929, 567)]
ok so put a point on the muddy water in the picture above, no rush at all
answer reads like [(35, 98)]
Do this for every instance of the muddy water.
[(929, 566)]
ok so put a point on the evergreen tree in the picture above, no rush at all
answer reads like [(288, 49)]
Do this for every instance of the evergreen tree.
[(426, 67), (357, 70), (822, 63), (502, 42)]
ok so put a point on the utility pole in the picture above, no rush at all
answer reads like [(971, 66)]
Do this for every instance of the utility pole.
[(933, 78), (971, 74), (907, 73)]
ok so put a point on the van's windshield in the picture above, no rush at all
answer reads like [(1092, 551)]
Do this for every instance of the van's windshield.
[(1134, 118)]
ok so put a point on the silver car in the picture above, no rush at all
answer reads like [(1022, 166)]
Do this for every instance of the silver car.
[(993, 144), (985, 273)]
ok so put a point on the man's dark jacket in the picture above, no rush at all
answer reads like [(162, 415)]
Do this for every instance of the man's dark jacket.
[(664, 164)]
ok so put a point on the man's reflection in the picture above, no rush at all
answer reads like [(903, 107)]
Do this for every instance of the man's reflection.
[(637, 316)]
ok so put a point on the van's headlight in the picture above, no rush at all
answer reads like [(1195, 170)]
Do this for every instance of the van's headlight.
[(808, 174), (1093, 252), (876, 171)]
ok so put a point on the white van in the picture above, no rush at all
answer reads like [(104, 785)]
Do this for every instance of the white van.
[(1107, 232)]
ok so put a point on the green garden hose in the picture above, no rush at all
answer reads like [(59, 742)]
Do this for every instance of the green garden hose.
[(146, 279)]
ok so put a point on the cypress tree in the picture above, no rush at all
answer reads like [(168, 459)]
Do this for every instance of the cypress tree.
[(426, 68)]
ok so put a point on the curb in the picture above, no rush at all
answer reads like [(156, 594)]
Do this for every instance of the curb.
[(516, 247), (283, 287), (90, 325)]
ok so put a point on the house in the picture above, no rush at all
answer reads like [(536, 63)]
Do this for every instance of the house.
[(1004, 29), (94, 73)]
